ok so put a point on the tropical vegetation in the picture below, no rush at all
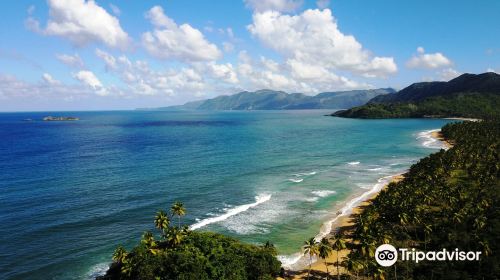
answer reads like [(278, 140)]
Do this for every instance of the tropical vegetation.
[(449, 199), (178, 253), (469, 95)]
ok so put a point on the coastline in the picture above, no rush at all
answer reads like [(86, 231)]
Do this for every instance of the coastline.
[(344, 222), (438, 135)]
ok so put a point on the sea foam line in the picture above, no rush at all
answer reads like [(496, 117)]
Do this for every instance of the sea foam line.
[(429, 141), (231, 212), (296, 180), (297, 260)]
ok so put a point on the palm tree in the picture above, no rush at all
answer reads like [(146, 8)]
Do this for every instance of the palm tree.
[(311, 249), (178, 210), (379, 274), (120, 254), (148, 239), (353, 265), (427, 232), (175, 236), (162, 221), (338, 244), (324, 251)]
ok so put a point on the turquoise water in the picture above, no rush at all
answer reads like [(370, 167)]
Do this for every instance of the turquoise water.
[(70, 192)]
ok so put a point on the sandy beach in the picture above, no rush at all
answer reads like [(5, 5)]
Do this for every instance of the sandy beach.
[(439, 136), (345, 224)]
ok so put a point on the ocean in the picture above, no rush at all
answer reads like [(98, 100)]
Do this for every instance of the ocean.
[(70, 192)]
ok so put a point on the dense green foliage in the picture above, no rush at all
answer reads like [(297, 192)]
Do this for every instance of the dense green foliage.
[(186, 254), (473, 96), (470, 105), (449, 199)]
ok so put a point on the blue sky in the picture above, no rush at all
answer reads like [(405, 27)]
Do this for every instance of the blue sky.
[(96, 55)]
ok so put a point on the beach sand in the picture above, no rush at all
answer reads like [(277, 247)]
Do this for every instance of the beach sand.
[(463, 119), (439, 135), (345, 224)]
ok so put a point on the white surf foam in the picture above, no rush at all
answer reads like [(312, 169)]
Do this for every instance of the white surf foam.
[(296, 180), (98, 270), (374, 169), (323, 193), (353, 163), (305, 174), (430, 142), (312, 199), (231, 212), (294, 261), (365, 186), (298, 260)]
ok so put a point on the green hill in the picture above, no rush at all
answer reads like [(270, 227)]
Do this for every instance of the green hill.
[(279, 100), (176, 252), (466, 96)]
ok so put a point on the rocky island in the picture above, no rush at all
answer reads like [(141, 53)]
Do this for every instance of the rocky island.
[(51, 119)]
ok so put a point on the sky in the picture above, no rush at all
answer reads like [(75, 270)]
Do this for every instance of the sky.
[(111, 55)]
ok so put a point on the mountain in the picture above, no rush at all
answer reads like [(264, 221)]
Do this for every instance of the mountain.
[(279, 100), (468, 95)]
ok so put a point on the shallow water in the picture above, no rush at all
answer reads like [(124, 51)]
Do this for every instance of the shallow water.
[(70, 192)]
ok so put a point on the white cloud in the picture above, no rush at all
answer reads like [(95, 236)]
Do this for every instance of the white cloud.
[(49, 79), (115, 9), (89, 79), (313, 38), (274, 5), (291, 76), (229, 32), (31, 9), (492, 70), (428, 60), (81, 22), (228, 47), (141, 79), (71, 60), (322, 4), (224, 72), (108, 59), (181, 42), (46, 91), (448, 74)]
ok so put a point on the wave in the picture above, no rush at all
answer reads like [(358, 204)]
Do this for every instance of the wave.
[(294, 261), (231, 212), (429, 141), (296, 180), (98, 270), (354, 163), (374, 169), (305, 174), (297, 261), (312, 199), (365, 186), (323, 193)]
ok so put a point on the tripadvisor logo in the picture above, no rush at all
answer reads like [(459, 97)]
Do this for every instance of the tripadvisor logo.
[(387, 255)]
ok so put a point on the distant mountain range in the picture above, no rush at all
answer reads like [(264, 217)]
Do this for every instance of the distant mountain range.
[(280, 100), (468, 95)]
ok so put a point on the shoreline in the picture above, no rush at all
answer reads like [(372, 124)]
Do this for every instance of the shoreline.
[(345, 221), (438, 135)]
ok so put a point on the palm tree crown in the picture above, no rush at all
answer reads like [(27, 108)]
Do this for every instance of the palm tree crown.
[(161, 221), (178, 210)]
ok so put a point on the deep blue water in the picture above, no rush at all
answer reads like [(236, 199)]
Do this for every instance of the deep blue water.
[(70, 192)]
